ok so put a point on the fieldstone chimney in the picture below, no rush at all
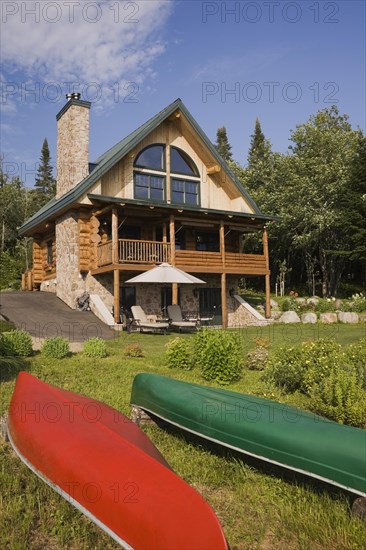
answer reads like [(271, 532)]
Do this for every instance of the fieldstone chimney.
[(72, 143)]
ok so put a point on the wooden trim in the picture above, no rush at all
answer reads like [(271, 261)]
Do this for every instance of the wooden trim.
[(222, 242), (223, 301), (267, 276), (214, 169), (114, 235), (172, 239)]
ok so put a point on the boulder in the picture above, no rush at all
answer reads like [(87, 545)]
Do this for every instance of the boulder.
[(307, 318), (274, 304), (314, 300), (276, 314), (290, 317), (338, 303), (348, 317), (328, 318), (301, 301), (362, 317)]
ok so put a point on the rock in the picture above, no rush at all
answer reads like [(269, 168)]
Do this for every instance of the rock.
[(348, 317), (276, 314), (290, 317), (307, 318), (338, 303), (359, 508), (274, 304), (362, 317), (328, 318), (301, 301), (314, 300)]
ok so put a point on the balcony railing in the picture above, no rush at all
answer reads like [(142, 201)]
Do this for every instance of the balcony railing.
[(132, 251), (143, 252)]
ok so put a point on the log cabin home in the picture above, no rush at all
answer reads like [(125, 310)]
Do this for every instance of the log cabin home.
[(162, 194)]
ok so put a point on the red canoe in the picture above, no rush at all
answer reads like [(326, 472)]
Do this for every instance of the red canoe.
[(105, 466)]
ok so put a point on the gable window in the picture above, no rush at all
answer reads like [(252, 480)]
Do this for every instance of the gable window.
[(150, 176), (181, 163), (149, 187), (152, 157), (185, 191)]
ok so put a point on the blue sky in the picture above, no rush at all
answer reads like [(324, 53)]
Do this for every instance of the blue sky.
[(230, 62)]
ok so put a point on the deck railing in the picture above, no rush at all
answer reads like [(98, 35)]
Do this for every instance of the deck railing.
[(131, 251), (104, 253), (143, 252)]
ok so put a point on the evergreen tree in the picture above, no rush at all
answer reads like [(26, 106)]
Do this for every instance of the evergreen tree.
[(260, 147), (45, 182), (222, 144), (260, 160)]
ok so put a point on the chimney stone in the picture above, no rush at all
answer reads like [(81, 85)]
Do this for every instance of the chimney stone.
[(72, 144)]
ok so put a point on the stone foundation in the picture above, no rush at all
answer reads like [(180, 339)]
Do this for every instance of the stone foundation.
[(70, 282), (49, 286)]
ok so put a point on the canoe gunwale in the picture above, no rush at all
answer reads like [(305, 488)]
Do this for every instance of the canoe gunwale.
[(68, 497), (259, 457)]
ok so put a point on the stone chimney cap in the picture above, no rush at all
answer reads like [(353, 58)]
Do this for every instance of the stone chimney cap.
[(74, 95)]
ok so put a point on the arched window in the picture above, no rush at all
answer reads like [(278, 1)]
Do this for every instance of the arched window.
[(152, 157), (184, 190), (150, 176)]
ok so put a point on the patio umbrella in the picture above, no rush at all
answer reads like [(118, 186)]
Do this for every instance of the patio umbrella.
[(165, 273)]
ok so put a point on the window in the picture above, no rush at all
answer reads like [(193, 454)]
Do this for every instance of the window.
[(180, 163), (207, 242), (152, 157), (50, 252), (150, 175), (185, 191), (149, 187)]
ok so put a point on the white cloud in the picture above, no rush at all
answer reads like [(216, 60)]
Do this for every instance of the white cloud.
[(120, 46)]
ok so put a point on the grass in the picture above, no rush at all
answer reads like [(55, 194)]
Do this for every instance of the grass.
[(260, 506)]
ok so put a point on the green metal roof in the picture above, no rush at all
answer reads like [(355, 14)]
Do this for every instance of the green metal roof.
[(106, 161)]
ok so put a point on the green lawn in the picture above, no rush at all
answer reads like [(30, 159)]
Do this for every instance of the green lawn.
[(259, 506)]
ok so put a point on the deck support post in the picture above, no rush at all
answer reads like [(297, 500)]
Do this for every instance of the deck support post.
[(267, 276), (116, 296), (172, 257), (115, 258), (223, 301), (223, 276)]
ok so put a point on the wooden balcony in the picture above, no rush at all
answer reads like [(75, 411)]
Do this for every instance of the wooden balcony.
[(139, 253), (134, 252)]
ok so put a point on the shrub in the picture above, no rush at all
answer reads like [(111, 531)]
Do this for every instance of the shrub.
[(285, 368), (356, 359), (18, 343), (258, 357), (56, 347), (219, 355), (326, 305), (179, 354), (340, 398), (95, 347), (358, 302), (133, 350), (304, 366)]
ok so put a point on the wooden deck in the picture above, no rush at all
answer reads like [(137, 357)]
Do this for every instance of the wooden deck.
[(139, 255)]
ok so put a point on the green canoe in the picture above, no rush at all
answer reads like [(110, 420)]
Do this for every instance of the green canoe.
[(262, 428)]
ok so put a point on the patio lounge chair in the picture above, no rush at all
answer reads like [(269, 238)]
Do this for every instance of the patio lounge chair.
[(177, 321), (140, 320)]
